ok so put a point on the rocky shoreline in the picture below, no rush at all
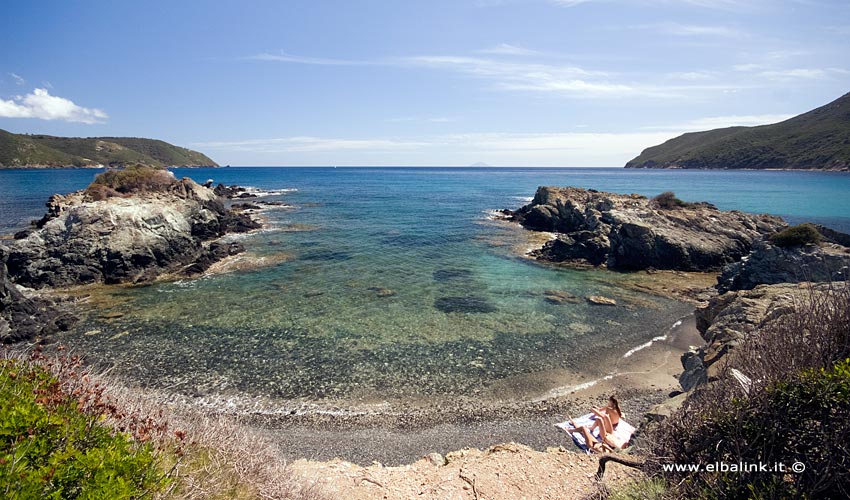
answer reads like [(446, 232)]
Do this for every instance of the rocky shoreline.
[(761, 275), (168, 227)]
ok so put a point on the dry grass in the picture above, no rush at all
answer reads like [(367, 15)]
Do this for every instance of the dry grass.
[(206, 456)]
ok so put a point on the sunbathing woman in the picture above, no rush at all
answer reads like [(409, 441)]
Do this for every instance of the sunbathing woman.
[(606, 419), (608, 441)]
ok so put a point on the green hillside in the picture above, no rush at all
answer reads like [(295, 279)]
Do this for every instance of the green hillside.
[(817, 140), (29, 151)]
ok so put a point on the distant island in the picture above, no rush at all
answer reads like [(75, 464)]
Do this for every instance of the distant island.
[(45, 151), (817, 140)]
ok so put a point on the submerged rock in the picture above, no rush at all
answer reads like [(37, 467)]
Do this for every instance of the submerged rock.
[(600, 300), (560, 297), (446, 275), (467, 304), (633, 232)]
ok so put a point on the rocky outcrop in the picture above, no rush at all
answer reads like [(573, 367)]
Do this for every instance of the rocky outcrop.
[(632, 232), (123, 238), (27, 317), (730, 318), (768, 264)]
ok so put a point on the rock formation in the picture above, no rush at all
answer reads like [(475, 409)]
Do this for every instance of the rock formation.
[(87, 237), (768, 264), (25, 317), (632, 232)]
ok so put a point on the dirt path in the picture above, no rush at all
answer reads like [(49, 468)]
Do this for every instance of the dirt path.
[(502, 471)]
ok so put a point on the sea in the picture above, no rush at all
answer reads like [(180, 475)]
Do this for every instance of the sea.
[(379, 285)]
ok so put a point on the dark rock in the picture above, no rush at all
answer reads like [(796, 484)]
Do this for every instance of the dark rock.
[(770, 264), (631, 232), (244, 206), (27, 318), (469, 304)]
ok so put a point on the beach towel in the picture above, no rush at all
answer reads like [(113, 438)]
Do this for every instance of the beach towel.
[(623, 431)]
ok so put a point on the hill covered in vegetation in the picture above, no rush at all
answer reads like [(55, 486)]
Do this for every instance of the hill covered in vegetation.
[(45, 151), (817, 140)]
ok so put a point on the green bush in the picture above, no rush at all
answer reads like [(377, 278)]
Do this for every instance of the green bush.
[(794, 236), (668, 201), (134, 179), (51, 448)]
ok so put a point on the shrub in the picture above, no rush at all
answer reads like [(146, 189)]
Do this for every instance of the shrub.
[(133, 179), (51, 448), (797, 409), (668, 201), (794, 236)]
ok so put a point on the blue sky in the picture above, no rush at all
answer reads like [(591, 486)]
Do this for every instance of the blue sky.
[(437, 82)]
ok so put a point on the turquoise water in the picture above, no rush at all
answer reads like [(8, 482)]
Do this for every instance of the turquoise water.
[(386, 284)]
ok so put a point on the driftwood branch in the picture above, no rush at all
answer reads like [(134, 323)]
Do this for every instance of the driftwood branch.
[(635, 463)]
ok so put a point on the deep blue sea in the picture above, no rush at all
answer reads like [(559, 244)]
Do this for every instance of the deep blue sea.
[(395, 283)]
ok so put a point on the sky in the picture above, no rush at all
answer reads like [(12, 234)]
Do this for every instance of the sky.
[(573, 83)]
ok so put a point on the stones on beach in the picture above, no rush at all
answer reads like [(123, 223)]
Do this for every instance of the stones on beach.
[(560, 297), (600, 300), (467, 304)]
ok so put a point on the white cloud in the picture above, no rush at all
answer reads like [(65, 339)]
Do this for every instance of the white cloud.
[(506, 49), (692, 76), (40, 104), (567, 80), (18, 79), (803, 73), (709, 4)]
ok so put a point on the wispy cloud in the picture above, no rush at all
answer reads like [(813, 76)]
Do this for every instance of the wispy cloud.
[(419, 119), (566, 148), (40, 104), (289, 58), (691, 30), (709, 4), (506, 49), (712, 122), (310, 144), (18, 79)]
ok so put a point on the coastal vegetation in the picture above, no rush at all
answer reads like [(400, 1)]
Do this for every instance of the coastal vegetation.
[(788, 404), (817, 140), (66, 432), (667, 200), (132, 179), (794, 236), (45, 151)]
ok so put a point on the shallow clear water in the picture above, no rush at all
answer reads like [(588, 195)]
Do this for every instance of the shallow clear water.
[(395, 283)]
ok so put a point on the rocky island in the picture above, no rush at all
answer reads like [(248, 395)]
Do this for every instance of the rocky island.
[(129, 226), (630, 232)]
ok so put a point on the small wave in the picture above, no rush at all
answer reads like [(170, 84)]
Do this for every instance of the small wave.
[(660, 338), (526, 199), (564, 391), (260, 192), (676, 324)]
